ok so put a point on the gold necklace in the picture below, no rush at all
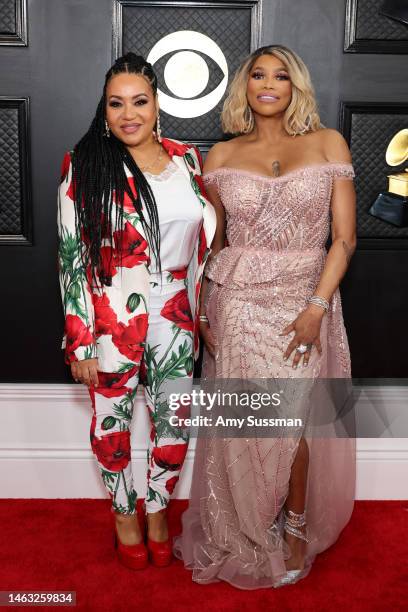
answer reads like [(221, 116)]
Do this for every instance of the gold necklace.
[(158, 158)]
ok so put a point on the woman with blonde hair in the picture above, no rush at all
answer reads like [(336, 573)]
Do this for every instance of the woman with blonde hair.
[(265, 503)]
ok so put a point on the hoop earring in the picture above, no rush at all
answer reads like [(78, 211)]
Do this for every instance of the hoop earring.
[(158, 129), (107, 130), (249, 120)]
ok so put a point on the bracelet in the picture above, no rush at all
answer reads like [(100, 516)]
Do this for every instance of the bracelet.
[(203, 318), (319, 301)]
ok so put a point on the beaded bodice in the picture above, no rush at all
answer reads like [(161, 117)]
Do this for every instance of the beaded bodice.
[(269, 218)]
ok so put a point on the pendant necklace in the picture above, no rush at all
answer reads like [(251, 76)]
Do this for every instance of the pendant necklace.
[(275, 168)]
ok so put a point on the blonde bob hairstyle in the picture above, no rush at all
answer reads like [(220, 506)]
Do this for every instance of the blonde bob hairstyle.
[(300, 117)]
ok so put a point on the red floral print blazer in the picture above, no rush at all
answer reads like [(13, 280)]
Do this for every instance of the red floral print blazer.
[(112, 325)]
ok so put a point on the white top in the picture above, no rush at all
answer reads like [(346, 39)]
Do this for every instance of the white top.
[(180, 217)]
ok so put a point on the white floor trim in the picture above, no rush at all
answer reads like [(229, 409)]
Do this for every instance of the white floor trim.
[(45, 453)]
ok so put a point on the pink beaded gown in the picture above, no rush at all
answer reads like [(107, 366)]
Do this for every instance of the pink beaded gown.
[(277, 229)]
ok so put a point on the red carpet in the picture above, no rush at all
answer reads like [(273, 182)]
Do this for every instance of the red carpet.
[(68, 545)]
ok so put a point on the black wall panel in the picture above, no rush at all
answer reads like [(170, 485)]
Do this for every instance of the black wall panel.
[(369, 30), (61, 73), (369, 127), (13, 22), (15, 178)]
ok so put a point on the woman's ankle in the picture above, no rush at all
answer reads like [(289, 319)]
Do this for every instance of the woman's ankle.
[(128, 529), (157, 527), (298, 552)]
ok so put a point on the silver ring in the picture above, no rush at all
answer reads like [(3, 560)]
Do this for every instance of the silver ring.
[(302, 348)]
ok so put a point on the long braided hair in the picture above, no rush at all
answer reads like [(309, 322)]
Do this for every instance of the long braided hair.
[(98, 171)]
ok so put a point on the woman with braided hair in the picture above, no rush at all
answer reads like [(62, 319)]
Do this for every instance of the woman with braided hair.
[(134, 230)]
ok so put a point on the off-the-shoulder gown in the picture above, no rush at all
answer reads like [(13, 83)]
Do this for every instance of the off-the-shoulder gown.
[(277, 229)]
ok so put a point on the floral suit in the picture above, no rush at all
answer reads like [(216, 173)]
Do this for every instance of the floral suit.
[(139, 329)]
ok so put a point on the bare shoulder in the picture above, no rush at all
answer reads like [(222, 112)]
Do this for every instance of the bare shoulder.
[(218, 154), (334, 145)]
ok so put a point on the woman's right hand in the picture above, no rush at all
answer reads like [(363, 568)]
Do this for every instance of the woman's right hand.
[(208, 337), (85, 371)]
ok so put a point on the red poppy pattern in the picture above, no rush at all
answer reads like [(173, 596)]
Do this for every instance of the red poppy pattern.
[(133, 247), (179, 274), (106, 320), (77, 335), (108, 263), (124, 272), (178, 310), (168, 355), (113, 450), (173, 147), (65, 166), (108, 317), (114, 384), (171, 483), (129, 339), (169, 457)]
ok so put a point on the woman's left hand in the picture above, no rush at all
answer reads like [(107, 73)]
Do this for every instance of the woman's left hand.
[(307, 331)]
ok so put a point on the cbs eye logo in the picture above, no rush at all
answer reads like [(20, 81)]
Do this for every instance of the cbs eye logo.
[(183, 66)]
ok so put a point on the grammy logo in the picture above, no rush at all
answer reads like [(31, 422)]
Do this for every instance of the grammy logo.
[(397, 153), (392, 205)]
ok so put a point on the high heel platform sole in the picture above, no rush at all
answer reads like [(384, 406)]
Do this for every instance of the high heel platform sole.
[(160, 553), (134, 557)]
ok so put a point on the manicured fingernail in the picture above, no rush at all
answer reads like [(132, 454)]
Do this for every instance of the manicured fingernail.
[(294, 366), (305, 365), (285, 359)]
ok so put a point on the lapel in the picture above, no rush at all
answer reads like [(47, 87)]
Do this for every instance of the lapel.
[(181, 163)]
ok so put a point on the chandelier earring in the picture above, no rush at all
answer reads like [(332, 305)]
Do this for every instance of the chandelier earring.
[(107, 130), (158, 129)]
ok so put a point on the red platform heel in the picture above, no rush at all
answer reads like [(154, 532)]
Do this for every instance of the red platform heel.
[(160, 553), (135, 556)]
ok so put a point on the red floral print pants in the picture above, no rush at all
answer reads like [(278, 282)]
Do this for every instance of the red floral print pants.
[(166, 366)]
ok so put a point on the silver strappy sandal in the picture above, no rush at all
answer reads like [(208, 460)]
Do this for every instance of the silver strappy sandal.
[(293, 523)]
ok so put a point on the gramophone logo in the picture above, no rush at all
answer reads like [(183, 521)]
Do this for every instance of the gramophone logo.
[(187, 74), (392, 205)]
